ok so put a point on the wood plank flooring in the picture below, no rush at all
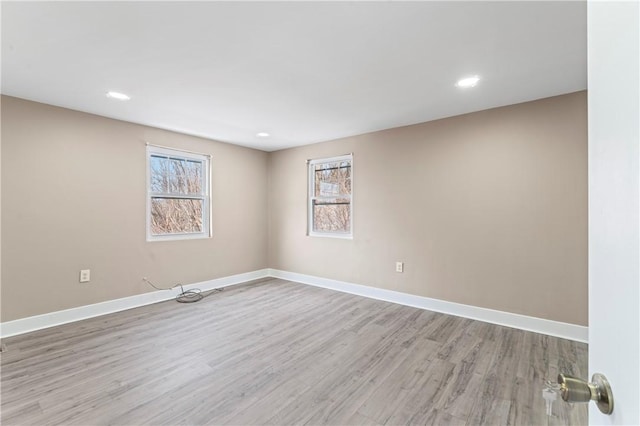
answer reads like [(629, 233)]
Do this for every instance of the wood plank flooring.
[(277, 352)]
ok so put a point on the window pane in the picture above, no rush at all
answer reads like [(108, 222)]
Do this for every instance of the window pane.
[(194, 177), (171, 216), (331, 217), (332, 179), (159, 173), (185, 176)]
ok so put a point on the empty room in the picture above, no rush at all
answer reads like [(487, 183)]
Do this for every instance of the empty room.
[(341, 213)]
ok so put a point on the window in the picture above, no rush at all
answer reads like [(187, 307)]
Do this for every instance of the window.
[(178, 202), (330, 191)]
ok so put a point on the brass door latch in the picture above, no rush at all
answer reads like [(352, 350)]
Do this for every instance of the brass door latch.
[(573, 389)]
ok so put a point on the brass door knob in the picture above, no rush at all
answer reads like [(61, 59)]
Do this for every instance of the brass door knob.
[(573, 389)]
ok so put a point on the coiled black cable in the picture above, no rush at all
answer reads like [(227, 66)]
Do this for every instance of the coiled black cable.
[(188, 296)]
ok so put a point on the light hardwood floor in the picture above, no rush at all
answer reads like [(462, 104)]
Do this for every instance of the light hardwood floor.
[(277, 352)]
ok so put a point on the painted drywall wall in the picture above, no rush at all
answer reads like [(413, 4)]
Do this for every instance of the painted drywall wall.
[(486, 209), (73, 197), (0, 212)]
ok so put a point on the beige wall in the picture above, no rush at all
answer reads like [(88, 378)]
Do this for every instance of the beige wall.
[(73, 197), (487, 209)]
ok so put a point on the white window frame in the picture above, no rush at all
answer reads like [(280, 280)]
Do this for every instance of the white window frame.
[(205, 196), (311, 197)]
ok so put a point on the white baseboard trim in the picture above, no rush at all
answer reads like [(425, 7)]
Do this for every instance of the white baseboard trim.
[(38, 322), (538, 325), (523, 322)]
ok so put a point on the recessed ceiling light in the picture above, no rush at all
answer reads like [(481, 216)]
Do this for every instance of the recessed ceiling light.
[(118, 96), (262, 135), (468, 81)]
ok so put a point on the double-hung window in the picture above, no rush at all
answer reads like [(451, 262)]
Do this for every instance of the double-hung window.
[(178, 199), (329, 201)]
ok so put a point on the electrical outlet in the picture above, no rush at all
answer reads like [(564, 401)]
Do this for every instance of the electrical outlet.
[(85, 275), (399, 267)]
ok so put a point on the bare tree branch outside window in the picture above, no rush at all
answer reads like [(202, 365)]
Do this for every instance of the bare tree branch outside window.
[(177, 191), (331, 196)]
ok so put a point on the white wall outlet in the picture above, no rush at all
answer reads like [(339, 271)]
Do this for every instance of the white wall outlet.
[(85, 275), (399, 267)]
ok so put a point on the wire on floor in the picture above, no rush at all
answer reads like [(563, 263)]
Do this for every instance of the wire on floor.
[(186, 296)]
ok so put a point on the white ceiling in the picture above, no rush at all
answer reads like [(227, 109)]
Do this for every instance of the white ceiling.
[(303, 71)]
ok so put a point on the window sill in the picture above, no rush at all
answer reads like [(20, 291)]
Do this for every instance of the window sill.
[(338, 236), (177, 237)]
